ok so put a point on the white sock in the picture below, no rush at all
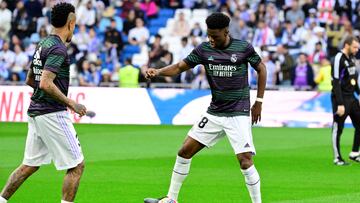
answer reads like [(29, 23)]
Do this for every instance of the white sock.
[(63, 201), (181, 170), (252, 180), (354, 154), (3, 200)]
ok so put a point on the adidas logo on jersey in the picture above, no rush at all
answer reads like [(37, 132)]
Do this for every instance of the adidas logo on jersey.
[(37, 61)]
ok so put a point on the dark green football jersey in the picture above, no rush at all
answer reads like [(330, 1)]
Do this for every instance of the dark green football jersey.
[(50, 54), (227, 73)]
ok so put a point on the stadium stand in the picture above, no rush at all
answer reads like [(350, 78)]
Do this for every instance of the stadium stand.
[(282, 30)]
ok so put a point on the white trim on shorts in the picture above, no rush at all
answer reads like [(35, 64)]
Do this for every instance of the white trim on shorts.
[(52, 137)]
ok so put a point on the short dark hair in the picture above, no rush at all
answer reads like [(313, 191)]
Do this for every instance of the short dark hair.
[(349, 40), (60, 13), (217, 20)]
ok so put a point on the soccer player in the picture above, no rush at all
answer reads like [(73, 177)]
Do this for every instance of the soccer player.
[(51, 135), (226, 63), (344, 103)]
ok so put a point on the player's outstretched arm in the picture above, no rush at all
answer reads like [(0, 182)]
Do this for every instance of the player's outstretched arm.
[(47, 84), (30, 78), (256, 108), (169, 70)]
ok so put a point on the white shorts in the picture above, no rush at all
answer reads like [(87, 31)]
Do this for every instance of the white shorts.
[(209, 129), (52, 137)]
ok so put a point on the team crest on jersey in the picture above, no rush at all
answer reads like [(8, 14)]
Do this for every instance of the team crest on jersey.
[(211, 58), (233, 58), (346, 63)]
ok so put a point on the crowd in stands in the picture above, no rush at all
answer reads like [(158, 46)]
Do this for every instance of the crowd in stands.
[(117, 40)]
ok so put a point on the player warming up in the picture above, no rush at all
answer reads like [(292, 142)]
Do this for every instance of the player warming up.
[(51, 135), (344, 103), (226, 63)]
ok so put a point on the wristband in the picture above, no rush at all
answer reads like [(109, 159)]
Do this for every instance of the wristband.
[(258, 99)]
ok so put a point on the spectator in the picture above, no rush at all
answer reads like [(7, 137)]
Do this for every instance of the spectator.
[(139, 34), (5, 21), (325, 8), (129, 75), (94, 45), (288, 36), (166, 60), (301, 33), (129, 22), (239, 30), (295, 13), (196, 30), (185, 49), (156, 50), (334, 32), (263, 35), (270, 69), (312, 18), (318, 54), (302, 75), (21, 61), (86, 15), (286, 63), (87, 76), (113, 38), (14, 78), (348, 31), (33, 9), (244, 13), (7, 59), (318, 35), (181, 26), (307, 6), (149, 8), (106, 79), (260, 12), (323, 78), (272, 18), (81, 39)]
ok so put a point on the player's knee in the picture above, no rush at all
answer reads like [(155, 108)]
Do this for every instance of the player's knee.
[(246, 163), (78, 170), (185, 153), (28, 170)]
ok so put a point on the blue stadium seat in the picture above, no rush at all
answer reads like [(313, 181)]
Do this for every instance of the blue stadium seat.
[(154, 30), (166, 12), (158, 22), (131, 49)]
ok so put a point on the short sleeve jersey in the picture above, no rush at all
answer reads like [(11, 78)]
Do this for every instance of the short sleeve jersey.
[(51, 55), (227, 74)]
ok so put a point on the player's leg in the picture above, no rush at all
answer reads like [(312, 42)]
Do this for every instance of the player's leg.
[(182, 165), (71, 182), (238, 131), (35, 155), (17, 177), (206, 132), (355, 118), (337, 129), (251, 175), (60, 136)]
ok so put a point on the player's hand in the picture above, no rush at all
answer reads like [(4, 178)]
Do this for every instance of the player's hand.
[(340, 110), (78, 108), (151, 72), (256, 113)]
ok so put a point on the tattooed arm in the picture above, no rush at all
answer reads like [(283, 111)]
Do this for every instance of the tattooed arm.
[(47, 84)]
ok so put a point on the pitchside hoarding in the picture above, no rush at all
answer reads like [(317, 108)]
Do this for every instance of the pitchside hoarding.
[(172, 106)]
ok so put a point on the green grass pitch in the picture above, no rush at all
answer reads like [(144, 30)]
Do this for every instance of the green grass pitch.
[(125, 164)]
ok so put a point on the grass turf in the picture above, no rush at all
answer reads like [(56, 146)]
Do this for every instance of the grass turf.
[(126, 163)]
